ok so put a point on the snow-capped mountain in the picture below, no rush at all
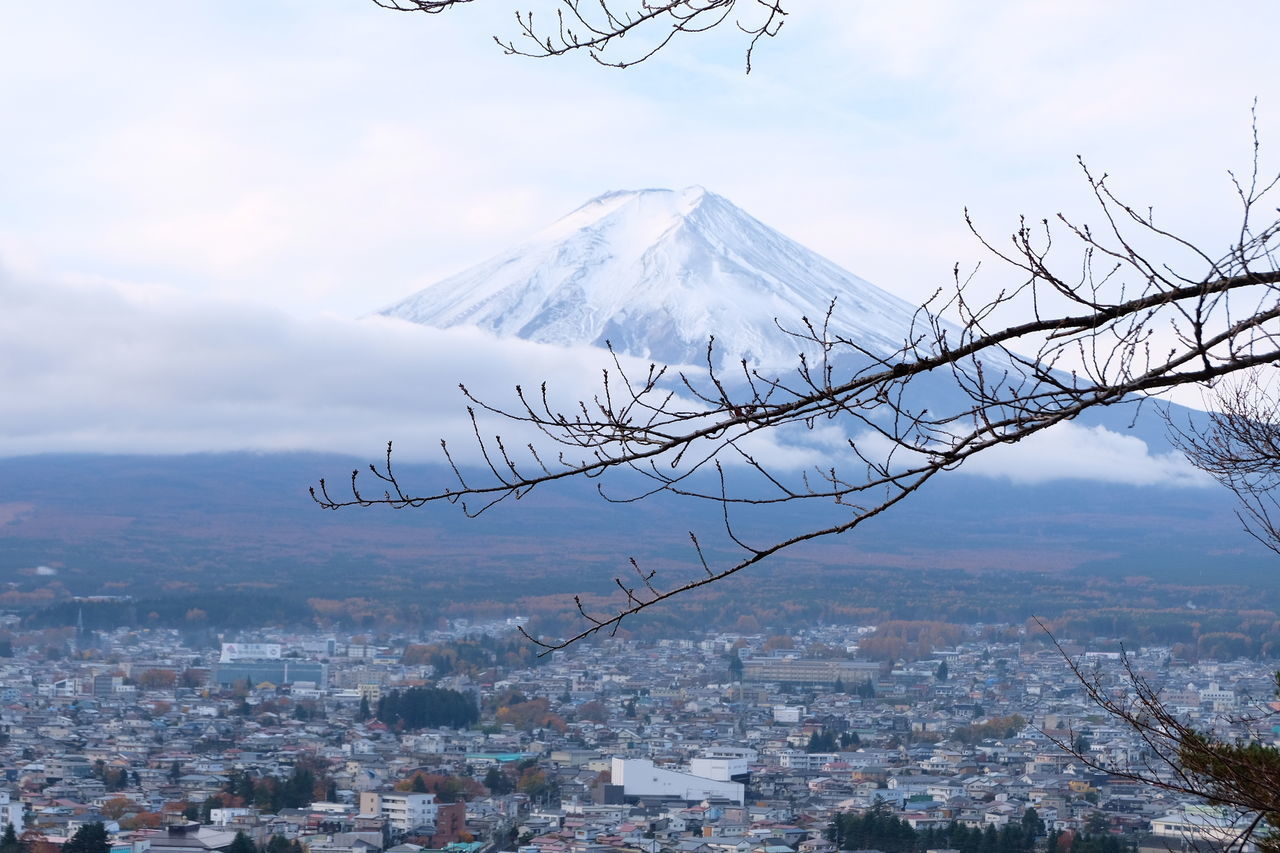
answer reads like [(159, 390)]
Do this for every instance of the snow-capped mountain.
[(656, 272)]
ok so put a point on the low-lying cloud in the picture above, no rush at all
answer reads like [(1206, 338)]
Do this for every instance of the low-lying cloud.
[(104, 367), (1071, 451)]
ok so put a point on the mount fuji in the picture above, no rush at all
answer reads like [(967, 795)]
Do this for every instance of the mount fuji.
[(655, 273)]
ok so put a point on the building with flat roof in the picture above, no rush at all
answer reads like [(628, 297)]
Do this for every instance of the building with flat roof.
[(640, 778), (809, 672), (282, 671), (404, 810)]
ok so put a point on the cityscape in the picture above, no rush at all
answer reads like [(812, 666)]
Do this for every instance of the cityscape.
[(743, 742), (638, 426)]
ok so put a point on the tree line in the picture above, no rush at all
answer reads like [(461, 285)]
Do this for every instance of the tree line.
[(878, 828), (427, 707)]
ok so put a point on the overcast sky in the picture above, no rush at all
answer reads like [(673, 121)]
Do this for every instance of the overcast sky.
[(197, 200)]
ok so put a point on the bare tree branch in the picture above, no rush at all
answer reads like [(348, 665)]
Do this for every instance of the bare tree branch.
[(1240, 448), (597, 26), (431, 7), (1244, 775), (1130, 323)]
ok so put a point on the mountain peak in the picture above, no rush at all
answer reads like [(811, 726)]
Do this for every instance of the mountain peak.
[(656, 272), (686, 198), (653, 204)]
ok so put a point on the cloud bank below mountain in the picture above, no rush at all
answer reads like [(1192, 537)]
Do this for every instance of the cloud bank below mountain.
[(105, 367)]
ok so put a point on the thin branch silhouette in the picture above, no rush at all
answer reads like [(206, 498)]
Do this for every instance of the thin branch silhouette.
[(1129, 324)]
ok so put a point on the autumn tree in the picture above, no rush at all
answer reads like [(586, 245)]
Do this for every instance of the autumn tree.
[(447, 788), (117, 807), (142, 820), (593, 711), (531, 714), (534, 783), (34, 841)]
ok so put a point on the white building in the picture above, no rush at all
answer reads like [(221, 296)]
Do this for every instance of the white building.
[(1202, 823), (403, 810), (1221, 699), (10, 813), (222, 817), (794, 759), (721, 767), (788, 713), (232, 652), (640, 777)]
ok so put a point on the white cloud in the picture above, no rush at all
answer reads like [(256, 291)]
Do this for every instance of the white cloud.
[(99, 367), (325, 159), (1066, 451), (1071, 451)]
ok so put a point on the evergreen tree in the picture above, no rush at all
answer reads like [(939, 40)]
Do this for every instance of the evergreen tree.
[(298, 790), (427, 707), (90, 838), (9, 842), (497, 782), (990, 840), (242, 844), (821, 742), (1032, 825)]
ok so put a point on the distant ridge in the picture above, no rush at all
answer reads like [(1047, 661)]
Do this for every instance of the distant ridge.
[(656, 272)]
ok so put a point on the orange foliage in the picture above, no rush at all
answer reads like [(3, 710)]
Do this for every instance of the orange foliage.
[(448, 789), (157, 679), (117, 807), (536, 713), (143, 820), (778, 641), (911, 640), (34, 841)]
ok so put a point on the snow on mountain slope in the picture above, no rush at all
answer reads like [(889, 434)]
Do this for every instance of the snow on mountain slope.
[(656, 272)]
